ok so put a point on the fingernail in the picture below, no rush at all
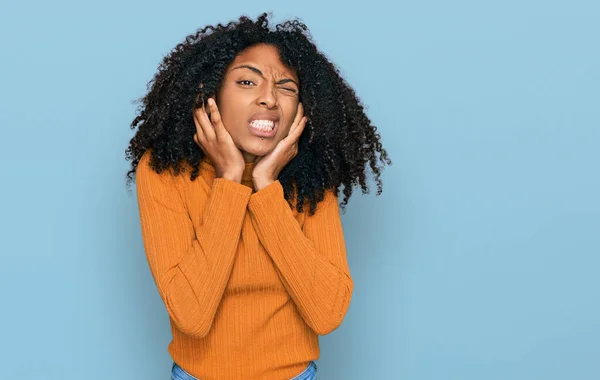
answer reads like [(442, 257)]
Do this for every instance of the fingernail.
[(211, 101)]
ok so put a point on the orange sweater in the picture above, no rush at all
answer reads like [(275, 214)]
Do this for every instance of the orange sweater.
[(248, 282)]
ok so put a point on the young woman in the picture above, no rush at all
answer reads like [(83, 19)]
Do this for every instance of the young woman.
[(243, 141)]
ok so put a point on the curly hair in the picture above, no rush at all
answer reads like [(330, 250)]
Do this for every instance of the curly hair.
[(333, 150)]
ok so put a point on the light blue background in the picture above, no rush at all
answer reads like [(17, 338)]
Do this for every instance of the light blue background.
[(480, 260)]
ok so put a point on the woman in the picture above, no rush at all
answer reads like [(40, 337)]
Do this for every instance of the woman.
[(243, 141)]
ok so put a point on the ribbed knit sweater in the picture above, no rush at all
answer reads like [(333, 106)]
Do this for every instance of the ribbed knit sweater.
[(248, 282)]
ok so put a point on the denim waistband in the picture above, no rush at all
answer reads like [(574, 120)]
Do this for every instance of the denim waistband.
[(310, 373)]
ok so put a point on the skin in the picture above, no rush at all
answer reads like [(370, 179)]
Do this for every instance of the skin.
[(224, 136)]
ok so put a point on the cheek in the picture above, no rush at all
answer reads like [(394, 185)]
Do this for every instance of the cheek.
[(290, 112), (231, 109), (284, 131), (232, 119)]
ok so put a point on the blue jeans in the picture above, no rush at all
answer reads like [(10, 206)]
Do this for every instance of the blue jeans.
[(310, 373)]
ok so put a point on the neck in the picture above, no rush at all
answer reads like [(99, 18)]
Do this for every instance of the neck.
[(246, 177), (248, 158)]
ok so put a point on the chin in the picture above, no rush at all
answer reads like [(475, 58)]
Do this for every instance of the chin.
[(262, 148)]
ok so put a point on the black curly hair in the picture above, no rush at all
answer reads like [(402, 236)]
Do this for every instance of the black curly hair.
[(335, 147)]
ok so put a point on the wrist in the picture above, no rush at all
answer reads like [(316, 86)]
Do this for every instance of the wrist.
[(232, 177), (261, 183)]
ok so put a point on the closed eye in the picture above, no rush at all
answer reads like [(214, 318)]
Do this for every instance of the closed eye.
[(249, 81)]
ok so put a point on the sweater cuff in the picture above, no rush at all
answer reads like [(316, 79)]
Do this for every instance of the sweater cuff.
[(233, 194), (267, 196)]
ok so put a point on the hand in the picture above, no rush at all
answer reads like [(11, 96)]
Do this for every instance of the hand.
[(214, 140), (267, 168)]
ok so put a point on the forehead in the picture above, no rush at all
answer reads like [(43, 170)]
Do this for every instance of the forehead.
[(266, 58)]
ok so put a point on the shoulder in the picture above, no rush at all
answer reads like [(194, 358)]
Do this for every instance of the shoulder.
[(146, 175), (157, 188), (326, 206), (330, 199)]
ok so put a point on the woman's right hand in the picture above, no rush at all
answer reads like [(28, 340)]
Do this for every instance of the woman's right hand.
[(214, 140)]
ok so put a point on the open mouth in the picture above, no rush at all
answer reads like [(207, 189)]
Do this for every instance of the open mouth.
[(263, 128)]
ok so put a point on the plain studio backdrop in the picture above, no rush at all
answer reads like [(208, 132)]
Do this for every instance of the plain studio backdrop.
[(480, 260)]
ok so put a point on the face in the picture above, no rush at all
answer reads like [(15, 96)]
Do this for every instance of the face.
[(258, 86)]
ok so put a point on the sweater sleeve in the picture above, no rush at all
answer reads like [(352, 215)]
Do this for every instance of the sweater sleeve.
[(190, 264), (311, 260)]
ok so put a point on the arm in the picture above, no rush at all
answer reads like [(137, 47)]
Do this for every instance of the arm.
[(310, 260), (191, 264)]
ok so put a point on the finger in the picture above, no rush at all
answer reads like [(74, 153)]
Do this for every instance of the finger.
[(299, 113), (215, 116), (209, 126), (297, 119), (197, 139), (204, 126), (199, 129), (199, 143), (295, 134)]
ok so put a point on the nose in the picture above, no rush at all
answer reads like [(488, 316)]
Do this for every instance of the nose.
[(268, 96)]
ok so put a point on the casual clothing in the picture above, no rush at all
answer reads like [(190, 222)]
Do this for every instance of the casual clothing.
[(248, 282), (310, 373)]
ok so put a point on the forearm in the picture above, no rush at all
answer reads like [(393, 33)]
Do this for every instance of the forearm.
[(191, 263), (314, 271)]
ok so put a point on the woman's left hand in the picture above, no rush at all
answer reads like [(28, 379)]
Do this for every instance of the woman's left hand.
[(267, 168)]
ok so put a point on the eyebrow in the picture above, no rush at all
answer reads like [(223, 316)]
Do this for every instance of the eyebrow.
[(286, 80)]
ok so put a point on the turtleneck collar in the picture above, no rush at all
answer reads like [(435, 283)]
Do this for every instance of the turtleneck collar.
[(207, 164)]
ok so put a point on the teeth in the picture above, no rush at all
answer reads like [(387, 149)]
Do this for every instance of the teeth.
[(263, 125)]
